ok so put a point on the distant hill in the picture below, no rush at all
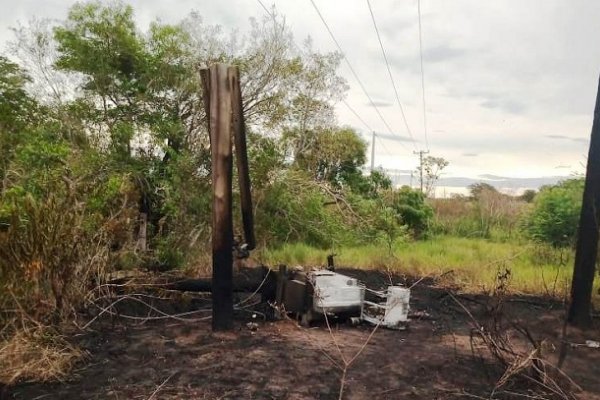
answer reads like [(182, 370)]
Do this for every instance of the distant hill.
[(502, 182), (459, 184)]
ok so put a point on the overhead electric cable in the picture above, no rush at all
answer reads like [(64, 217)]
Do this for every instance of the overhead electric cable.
[(357, 116), (422, 76), (387, 64), (382, 143), (351, 68), (266, 9), (352, 110)]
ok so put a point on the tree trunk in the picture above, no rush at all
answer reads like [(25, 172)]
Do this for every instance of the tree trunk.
[(587, 239)]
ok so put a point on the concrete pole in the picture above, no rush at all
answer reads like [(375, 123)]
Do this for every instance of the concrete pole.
[(373, 152)]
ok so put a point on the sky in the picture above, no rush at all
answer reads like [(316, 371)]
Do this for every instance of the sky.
[(510, 85)]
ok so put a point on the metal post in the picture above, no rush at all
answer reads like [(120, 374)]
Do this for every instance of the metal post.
[(373, 152)]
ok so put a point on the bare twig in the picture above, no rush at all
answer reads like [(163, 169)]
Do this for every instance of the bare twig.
[(347, 363), (153, 395)]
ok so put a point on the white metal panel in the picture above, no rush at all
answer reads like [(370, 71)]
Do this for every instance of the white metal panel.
[(396, 305), (335, 292)]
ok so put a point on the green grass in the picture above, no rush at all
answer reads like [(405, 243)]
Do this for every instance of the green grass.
[(470, 263)]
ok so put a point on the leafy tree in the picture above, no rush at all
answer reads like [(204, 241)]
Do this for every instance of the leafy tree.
[(555, 214), (132, 111), (286, 88), (476, 189), (493, 211), (413, 210), (334, 156), (136, 83), (372, 186), (17, 108), (431, 169), (36, 51)]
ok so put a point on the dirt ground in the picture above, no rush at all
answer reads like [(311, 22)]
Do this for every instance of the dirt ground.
[(433, 359)]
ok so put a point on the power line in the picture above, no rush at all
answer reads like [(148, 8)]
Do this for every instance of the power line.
[(396, 138), (357, 116), (387, 64), (351, 68), (352, 110), (382, 143), (379, 136), (369, 128), (266, 9), (422, 75)]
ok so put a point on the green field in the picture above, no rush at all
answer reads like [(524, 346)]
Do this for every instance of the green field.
[(470, 263)]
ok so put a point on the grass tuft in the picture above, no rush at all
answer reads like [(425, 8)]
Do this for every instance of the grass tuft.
[(37, 354)]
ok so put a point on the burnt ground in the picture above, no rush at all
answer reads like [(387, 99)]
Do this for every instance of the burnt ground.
[(433, 359)]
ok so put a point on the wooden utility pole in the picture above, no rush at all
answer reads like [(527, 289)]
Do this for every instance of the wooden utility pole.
[(587, 238), (239, 133), (224, 111), (219, 109), (420, 153)]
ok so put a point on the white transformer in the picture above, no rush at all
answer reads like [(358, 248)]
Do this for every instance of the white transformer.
[(391, 310), (335, 293), (339, 294)]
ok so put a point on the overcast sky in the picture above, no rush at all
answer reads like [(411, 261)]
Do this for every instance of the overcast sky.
[(510, 85)]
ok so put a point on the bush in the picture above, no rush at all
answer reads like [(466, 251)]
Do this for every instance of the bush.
[(413, 210), (555, 214), (294, 208)]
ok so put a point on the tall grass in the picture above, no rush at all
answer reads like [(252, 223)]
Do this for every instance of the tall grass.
[(490, 214), (470, 263)]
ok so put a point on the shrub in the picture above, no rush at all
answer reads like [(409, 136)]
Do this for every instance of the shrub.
[(555, 214), (413, 210)]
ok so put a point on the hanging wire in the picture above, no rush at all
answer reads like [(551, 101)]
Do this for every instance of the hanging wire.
[(266, 9), (351, 68), (352, 110), (422, 76), (387, 64), (357, 115)]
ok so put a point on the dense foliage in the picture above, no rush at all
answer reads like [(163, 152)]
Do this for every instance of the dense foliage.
[(555, 215), (105, 157)]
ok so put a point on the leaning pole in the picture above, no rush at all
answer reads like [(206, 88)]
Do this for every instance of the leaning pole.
[(587, 237)]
